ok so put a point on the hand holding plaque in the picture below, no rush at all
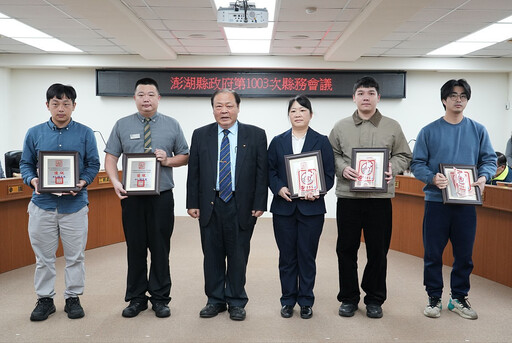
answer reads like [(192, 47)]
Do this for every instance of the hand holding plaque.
[(460, 188), (141, 174), (370, 165), (305, 174), (58, 172)]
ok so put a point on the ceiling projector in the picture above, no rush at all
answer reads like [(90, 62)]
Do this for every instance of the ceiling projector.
[(242, 14)]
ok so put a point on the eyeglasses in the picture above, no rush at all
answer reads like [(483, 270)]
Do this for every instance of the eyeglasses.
[(455, 96)]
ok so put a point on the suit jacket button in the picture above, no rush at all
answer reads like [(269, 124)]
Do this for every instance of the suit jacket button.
[(211, 203)]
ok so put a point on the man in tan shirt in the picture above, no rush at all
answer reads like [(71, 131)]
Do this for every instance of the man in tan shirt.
[(369, 211)]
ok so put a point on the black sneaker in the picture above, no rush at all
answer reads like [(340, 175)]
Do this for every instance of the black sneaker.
[(73, 308), (374, 311), (44, 307)]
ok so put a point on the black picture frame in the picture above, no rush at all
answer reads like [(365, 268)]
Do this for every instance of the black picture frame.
[(305, 173), (58, 172), (374, 163), (141, 174), (459, 189)]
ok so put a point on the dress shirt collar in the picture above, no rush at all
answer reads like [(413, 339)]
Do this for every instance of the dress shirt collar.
[(375, 119), (52, 126), (233, 129), (154, 117)]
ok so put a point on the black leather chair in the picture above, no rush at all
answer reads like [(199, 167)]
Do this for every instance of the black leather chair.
[(12, 162)]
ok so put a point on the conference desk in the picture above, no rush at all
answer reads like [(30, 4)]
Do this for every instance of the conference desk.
[(105, 225), (492, 254)]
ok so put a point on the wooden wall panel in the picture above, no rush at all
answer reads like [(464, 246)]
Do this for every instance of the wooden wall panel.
[(15, 249)]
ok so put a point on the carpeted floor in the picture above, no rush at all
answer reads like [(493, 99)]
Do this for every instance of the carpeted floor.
[(103, 302)]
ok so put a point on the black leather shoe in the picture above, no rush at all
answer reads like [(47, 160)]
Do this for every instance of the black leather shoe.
[(162, 310), (287, 311), (374, 311), (236, 313), (211, 310), (134, 308), (306, 312), (347, 310)]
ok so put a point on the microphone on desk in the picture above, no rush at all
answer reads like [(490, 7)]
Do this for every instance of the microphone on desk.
[(103, 139), (408, 172)]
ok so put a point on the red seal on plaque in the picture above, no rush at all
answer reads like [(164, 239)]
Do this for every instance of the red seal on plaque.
[(366, 170), (461, 182)]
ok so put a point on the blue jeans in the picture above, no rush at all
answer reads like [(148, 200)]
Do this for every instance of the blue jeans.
[(441, 223)]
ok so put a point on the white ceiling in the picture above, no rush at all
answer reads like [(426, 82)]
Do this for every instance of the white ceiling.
[(340, 30)]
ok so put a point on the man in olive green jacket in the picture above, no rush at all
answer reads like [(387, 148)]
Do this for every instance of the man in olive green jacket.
[(368, 210)]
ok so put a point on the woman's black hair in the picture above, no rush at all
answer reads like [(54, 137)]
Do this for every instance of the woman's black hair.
[(302, 100)]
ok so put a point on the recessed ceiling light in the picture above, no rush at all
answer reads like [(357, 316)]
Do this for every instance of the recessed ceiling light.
[(16, 30), (490, 35)]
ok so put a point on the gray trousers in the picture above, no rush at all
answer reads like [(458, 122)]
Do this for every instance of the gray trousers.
[(44, 229)]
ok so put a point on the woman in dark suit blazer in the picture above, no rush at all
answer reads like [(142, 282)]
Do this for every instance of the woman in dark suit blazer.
[(297, 222)]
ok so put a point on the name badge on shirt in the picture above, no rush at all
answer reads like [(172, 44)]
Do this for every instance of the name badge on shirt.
[(135, 136)]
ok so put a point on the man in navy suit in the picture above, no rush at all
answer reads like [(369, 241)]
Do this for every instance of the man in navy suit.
[(230, 153)]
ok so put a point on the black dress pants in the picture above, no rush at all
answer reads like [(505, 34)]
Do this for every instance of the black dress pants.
[(226, 252), (374, 218), (148, 222)]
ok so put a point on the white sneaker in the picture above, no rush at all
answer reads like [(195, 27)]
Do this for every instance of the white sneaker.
[(433, 309), (462, 308)]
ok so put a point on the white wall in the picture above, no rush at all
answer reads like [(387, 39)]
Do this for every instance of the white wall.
[(22, 104), (5, 74)]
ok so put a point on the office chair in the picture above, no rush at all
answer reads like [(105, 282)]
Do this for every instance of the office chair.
[(12, 162)]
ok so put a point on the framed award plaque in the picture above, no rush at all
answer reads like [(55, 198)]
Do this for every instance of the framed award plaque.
[(58, 172), (305, 174), (370, 164), (141, 174), (460, 189)]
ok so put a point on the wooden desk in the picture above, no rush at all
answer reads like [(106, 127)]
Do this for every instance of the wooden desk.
[(105, 226), (492, 256)]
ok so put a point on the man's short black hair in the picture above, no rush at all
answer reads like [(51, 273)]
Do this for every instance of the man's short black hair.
[(366, 82), (58, 90), (447, 88), (147, 81), (226, 90)]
